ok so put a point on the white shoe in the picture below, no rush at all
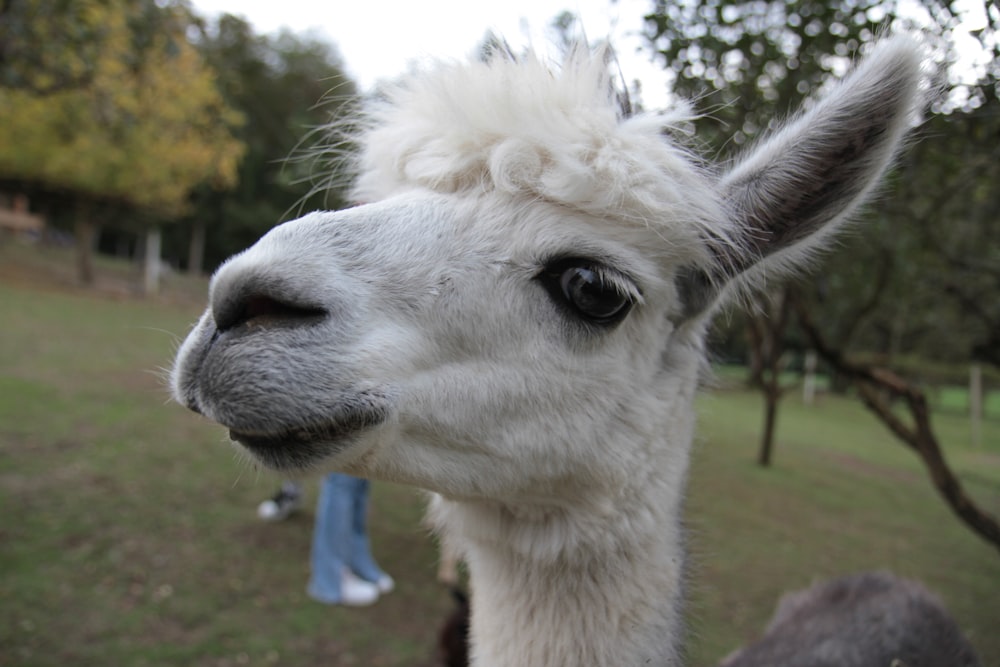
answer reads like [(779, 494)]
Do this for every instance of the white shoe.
[(385, 584), (280, 506), (354, 592), (357, 592)]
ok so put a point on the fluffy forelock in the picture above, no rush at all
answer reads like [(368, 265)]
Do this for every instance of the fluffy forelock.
[(521, 126)]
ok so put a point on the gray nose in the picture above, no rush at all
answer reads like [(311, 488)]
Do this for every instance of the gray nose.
[(251, 299)]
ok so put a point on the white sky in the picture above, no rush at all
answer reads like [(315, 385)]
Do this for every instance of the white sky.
[(380, 38)]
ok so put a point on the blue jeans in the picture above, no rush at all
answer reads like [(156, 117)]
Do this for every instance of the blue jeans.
[(340, 536)]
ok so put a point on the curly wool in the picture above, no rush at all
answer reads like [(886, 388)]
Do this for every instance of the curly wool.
[(554, 134)]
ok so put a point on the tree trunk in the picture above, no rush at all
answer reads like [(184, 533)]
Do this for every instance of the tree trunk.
[(767, 332), (86, 236), (151, 264), (196, 247), (772, 394)]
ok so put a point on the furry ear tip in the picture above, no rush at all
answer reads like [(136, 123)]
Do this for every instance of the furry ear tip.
[(902, 47), (904, 58)]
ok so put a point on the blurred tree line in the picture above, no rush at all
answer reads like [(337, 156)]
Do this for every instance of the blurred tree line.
[(916, 278), (121, 116), (124, 116), (921, 275), (285, 87)]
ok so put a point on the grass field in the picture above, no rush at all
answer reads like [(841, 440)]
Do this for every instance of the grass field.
[(129, 536)]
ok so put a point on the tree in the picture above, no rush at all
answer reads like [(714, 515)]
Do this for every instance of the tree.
[(748, 63), (287, 87), (920, 279), (117, 109)]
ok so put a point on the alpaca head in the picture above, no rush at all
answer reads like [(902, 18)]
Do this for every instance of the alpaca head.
[(519, 312)]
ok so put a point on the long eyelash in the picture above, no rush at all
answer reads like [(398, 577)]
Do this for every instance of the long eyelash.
[(625, 286)]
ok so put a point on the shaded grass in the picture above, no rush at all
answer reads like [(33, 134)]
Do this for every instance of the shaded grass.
[(130, 537)]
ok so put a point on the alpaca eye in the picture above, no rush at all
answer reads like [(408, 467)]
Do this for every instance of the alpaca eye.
[(582, 288)]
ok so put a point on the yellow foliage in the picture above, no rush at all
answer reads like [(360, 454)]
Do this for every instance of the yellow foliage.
[(144, 124)]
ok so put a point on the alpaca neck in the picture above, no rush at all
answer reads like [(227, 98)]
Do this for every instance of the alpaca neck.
[(607, 594), (589, 572)]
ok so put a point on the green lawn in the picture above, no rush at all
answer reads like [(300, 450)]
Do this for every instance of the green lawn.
[(129, 535)]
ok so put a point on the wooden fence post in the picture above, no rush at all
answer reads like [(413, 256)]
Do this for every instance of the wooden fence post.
[(809, 382), (976, 403)]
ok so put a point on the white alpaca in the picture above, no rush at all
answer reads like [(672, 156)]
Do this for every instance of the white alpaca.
[(517, 324)]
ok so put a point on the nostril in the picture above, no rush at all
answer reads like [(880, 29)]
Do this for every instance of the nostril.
[(259, 305), (263, 308)]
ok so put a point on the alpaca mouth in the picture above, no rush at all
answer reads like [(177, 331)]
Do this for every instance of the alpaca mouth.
[(304, 447)]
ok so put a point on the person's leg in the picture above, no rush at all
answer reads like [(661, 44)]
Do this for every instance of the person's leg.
[(360, 558), (330, 580)]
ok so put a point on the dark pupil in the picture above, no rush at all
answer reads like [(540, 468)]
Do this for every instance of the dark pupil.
[(588, 293)]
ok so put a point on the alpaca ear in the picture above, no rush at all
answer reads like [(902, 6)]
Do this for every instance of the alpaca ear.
[(788, 194)]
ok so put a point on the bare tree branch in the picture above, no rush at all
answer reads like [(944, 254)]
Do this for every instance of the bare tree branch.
[(877, 388)]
